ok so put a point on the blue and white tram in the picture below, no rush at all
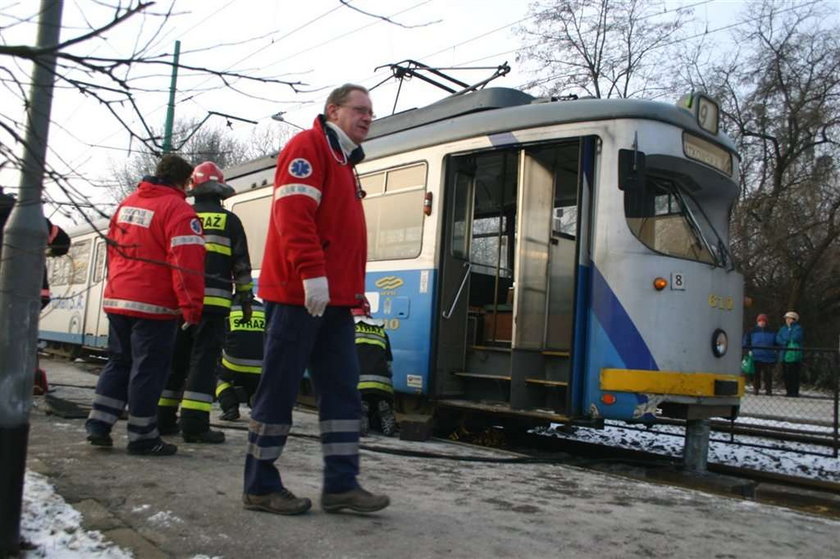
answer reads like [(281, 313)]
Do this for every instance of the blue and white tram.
[(549, 260), (74, 320)]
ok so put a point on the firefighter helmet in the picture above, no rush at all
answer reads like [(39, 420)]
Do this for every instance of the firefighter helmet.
[(207, 171)]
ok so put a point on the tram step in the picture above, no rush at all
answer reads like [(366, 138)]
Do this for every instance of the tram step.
[(465, 374), (544, 382), (504, 409)]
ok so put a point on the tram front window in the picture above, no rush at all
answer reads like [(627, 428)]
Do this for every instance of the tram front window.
[(680, 214)]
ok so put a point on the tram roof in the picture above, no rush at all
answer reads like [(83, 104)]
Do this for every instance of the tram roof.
[(498, 110)]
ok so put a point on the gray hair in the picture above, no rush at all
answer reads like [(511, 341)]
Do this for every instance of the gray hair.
[(340, 94)]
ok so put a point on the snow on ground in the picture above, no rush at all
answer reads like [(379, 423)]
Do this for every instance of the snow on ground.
[(51, 528), (790, 458)]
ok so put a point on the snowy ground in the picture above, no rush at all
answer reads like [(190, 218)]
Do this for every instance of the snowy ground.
[(51, 528), (785, 457)]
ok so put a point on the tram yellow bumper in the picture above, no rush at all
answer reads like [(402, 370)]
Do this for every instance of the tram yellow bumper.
[(672, 382)]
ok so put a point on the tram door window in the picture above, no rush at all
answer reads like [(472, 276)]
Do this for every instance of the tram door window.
[(95, 322)]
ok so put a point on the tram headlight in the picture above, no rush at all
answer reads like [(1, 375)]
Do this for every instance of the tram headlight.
[(720, 343)]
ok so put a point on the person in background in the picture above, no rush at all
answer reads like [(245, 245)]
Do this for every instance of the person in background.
[(155, 276), (760, 340), (789, 337), (58, 244), (241, 363), (192, 380), (313, 273), (374, 350)]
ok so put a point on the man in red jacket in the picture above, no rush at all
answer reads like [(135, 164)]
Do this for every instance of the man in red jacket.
[(313, 273), (155, 276)]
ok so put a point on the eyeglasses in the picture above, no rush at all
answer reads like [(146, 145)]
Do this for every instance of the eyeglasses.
[(360, 110)]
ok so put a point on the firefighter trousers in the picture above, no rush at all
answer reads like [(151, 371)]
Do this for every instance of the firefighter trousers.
[(192, 380), (295, 341), (139, 354)]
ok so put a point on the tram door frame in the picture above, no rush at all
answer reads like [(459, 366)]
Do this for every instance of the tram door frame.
[(95, 322), (537, 243)]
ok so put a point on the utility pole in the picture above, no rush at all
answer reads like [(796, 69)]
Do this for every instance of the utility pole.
[(21, 273), (170, 109)]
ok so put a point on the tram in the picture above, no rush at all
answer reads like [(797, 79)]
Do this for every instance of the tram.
[(541, 260)]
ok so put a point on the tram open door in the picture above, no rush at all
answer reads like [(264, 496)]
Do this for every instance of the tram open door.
[(509, 288)]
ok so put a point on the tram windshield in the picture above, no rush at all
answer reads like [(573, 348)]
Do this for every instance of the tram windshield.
[(681, 210)]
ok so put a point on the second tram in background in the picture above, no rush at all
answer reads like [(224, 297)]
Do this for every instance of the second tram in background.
[(543, 260)]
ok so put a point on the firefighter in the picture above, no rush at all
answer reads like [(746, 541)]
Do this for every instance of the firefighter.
[(198, 347), (241, 363), (374, 350)]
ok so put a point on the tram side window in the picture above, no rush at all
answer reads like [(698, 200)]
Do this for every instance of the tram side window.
[(254, 215), (394, 212), (72, 268)]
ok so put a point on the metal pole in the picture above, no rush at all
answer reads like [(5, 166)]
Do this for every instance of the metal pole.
[(21, 273), (170, 109), (696, 451)]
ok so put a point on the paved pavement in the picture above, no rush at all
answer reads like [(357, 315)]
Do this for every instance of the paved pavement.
[(189, 504)]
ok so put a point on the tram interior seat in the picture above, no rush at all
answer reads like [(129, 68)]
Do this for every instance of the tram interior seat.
[(490, 309)]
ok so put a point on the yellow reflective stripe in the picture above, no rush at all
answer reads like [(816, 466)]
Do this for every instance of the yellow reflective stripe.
[(222, 386), (217, 301), (168, 403), (245, 286), (368, 385), (241, 368), (193, 405), (377, 342), (213, 247), (665, 382)]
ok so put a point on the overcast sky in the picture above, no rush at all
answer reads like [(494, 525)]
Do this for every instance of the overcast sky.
[(318, 42)]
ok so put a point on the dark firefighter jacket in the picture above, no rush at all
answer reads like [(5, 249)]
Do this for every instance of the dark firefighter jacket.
[(243, 350), (226, 260), (374, 350)]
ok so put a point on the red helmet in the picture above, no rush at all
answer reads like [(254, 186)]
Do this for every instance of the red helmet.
[(362, 310), (207, 171)]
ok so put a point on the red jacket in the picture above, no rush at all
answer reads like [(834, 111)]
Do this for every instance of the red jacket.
[(155, 256), (317, 225)]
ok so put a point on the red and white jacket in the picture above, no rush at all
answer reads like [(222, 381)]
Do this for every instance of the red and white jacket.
[(155, 256), (317, 226)]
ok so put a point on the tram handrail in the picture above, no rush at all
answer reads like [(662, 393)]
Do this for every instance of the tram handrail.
[(448, 314)]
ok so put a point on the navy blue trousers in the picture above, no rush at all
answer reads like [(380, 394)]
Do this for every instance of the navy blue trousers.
[(295, 341), (192, 380), (140, 351)]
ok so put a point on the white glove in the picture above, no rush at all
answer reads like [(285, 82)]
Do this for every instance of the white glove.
[(317, 292)]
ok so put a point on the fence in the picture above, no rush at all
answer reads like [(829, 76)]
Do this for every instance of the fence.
[(800, 407)]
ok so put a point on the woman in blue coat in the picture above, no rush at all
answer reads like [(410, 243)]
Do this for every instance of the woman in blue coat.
[(760, 340), (790, 337)]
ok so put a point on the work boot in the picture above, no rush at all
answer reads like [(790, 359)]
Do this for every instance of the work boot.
[(387, 419), (231, 414), (279, 502), (207, 437), (99, 437), (152, 447), (169, 429), (357, 500)]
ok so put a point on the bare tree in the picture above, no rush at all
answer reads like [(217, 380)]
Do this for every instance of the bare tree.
[(600, 48), (781, 101), (115, 83), (197, 144)]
